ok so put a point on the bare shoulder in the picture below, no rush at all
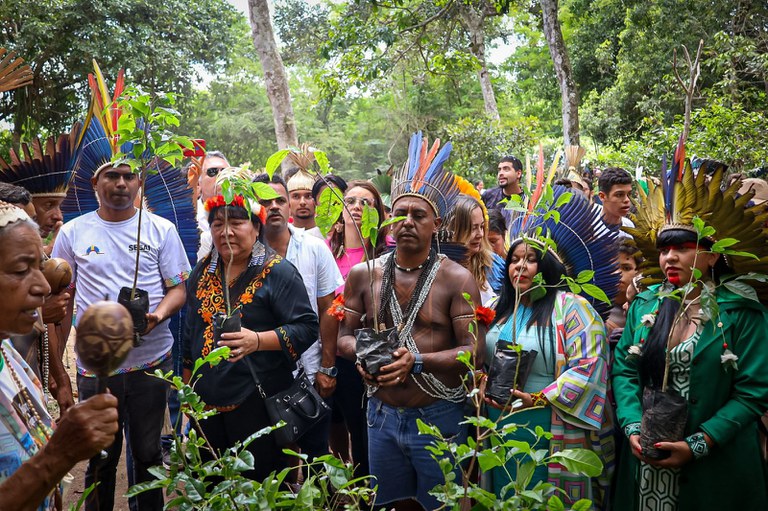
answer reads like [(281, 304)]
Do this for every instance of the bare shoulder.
[(455, 272)]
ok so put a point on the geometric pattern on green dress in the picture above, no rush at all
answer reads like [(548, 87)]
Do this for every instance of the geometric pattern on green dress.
[(659, 486)]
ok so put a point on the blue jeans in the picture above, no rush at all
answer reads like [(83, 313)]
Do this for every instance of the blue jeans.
[(397, 454), (141, 409)]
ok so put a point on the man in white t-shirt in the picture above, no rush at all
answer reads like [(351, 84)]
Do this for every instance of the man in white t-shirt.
[(101, 249), (321, 276), (615, 188)]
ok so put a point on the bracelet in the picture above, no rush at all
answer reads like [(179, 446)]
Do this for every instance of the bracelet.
[(539, 399), (632, 429), (258, 341), (698, 445)]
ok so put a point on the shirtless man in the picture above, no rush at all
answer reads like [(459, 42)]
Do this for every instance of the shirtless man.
[(425, 379)]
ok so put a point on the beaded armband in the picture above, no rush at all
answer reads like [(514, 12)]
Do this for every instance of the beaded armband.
[(539, 399), (698, 445), (632, 429)]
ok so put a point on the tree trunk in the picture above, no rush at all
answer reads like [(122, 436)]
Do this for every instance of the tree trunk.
[(559, 53), (472, 21), (275, 79)]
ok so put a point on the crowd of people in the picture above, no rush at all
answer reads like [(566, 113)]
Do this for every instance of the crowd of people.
[(514, 267)]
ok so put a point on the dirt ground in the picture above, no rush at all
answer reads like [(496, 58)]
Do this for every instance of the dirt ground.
[(75, 491)]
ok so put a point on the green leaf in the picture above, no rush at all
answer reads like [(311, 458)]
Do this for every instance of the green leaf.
[(525, 474), (488, 460), (579, 461), (595, 292), (759, 277), (564, 199), (262, 191), (582, 505), (585, 276), (391, 220), (555, 504), (742, 289), (574, 287), (722, 244), (329, 208), (739, 254), (369, 225), (274, 161), (322, 161), (536, 292)]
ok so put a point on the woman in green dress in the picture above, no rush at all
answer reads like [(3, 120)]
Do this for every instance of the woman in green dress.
[(718, 354)]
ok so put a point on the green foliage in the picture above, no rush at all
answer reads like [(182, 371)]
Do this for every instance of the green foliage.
[(145, 123), (489, 448), (161, 44), (370, 224), (479, 143), (329, 208), (194, 484)]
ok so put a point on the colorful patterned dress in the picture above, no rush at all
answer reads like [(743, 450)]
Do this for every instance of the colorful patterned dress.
[(577, 415)]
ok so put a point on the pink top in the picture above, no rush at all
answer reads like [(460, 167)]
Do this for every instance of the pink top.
[(348, 259)]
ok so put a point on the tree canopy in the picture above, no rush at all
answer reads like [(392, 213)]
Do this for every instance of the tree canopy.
[(364, 74)]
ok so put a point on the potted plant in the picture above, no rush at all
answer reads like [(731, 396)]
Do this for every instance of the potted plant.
[(376, 344), (141, 125)]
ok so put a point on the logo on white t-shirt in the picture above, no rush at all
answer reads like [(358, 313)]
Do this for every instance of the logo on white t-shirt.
[(93, 249), (144, 248)]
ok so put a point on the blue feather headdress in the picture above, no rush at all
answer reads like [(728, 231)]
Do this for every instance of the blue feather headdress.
[(583, 241), (167, 193), (44, 171), (423, 176)]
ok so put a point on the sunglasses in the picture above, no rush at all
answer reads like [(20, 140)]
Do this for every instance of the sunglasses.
[(213, 171)]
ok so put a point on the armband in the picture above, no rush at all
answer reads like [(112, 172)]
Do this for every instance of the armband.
[(698, 445), (632, 429)]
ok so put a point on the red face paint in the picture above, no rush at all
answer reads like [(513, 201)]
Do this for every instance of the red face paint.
[(680, 246), (674, 279)]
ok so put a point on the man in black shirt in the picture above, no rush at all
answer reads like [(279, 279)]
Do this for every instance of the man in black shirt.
[(510, 170)]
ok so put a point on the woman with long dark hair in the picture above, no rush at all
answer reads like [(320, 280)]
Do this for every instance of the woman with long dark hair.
[(717, 362), (569, 374)]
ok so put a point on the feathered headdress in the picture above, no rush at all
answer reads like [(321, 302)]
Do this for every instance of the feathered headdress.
[(573, 157), (423, 175), (680, 198), (103, 116), (13, 72), (582, 241), (44, 171), (301, 180), (166, 190)]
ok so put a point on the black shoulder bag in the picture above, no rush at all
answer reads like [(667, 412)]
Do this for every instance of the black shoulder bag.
[(299, 406)]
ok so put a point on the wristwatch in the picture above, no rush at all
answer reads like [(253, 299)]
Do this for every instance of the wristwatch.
[(329, 371), (418, 364)]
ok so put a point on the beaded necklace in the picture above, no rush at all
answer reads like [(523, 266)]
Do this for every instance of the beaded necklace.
[(388, 286), (38, 429)]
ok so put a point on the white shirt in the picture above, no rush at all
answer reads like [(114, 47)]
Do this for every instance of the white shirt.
[(317, 267), (206, 242), (103, 256), (625, 222)]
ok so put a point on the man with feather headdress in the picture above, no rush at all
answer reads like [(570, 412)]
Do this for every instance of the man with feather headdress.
[(416, 298)]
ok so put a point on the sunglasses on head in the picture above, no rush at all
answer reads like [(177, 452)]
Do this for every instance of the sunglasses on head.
[(213, 171)]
